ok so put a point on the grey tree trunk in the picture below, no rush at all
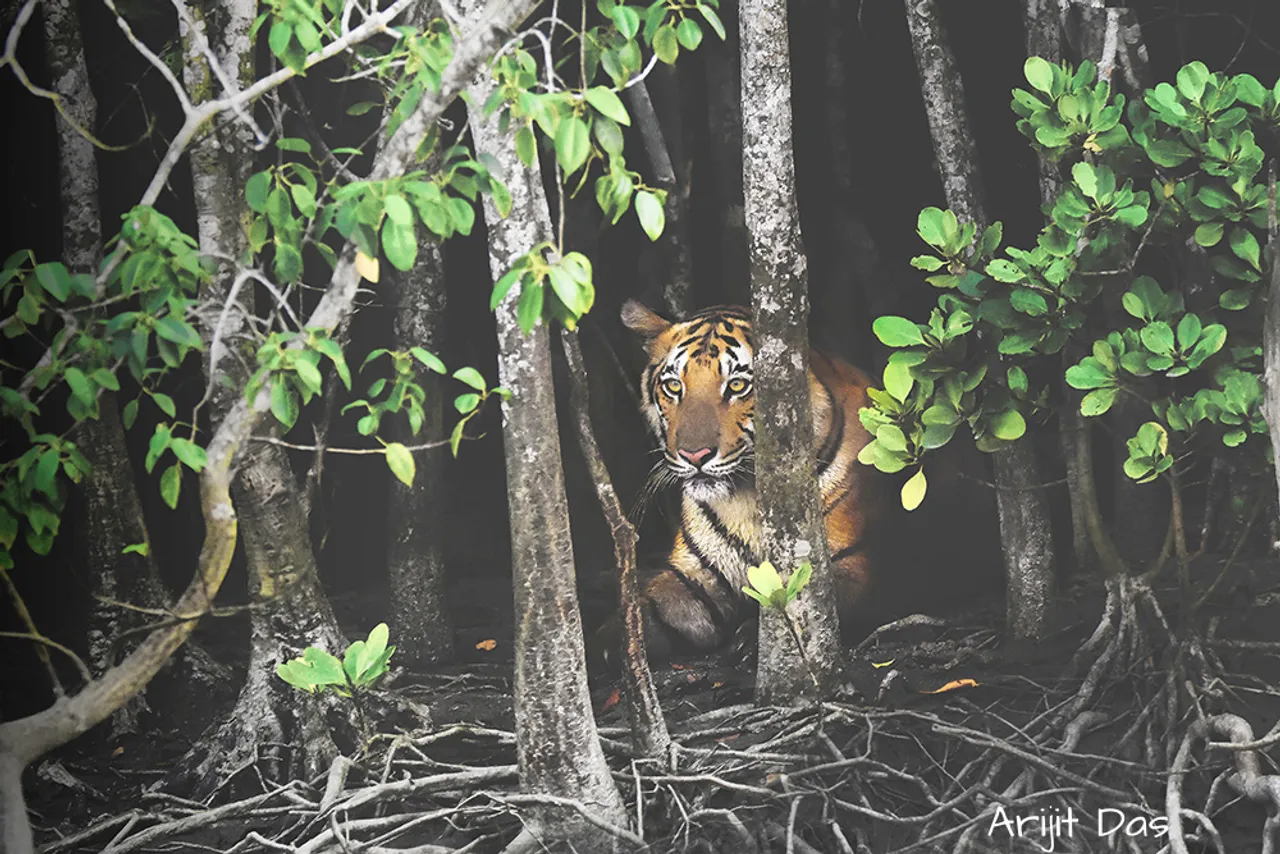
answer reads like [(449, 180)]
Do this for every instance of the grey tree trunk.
[(1043, 22), (419, 612), (790, 513), (106, 509), (724, 117), (677, 286), (1271, 331), (558, 748), (290, 610), (1025, 533)]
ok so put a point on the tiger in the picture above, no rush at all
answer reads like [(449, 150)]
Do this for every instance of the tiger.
[(698, 400)]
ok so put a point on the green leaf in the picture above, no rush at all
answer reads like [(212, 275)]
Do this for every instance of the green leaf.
[(471, 377), (913, 490), (309, 375), (897, 331), (55, 279), (105, 379), (1098, 402), (799, 580), (572, 143), (46, 477), (1235, 299), (898, 380), (171, 485), (1167, 152), (143, 549), (455, 438), (1008, 425), (608, 103), (649, 212), (529, 309), (689, 34), (1188, 332), (158, 444), (1245, 246), (526, 149), (399, 244), (1191, 81), (1028, 302), (129, 414), (1132, 216), (1004, 271), (429, 359), (764, 579), (1209, 233), (666, 46), (288, 262), (576, 298), (279, 209), (465, 403), (1211, 341), (293, 143), (1039, 74), (178, 331), (82, 388), (400, 461), (929, 225), (503, 286), (284, 402), (191, 454), (712, 19), (627, 20), (165, 403), (1158, 338), (1086, 179), (398, 210), (928, 263)]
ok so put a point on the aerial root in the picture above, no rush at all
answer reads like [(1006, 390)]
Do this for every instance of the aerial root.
[(843, 778)]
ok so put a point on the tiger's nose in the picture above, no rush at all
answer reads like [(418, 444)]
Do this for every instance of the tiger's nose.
[(697, 458)]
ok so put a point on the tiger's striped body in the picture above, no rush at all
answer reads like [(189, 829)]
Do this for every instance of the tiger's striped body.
[(698, 400)]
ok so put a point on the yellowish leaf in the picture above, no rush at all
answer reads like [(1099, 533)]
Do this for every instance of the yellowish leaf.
[(488, 645), (367, 267), (953, 685), (883, 663)]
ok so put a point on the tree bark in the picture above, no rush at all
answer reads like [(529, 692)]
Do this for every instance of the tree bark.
[(677, 288), (1025, 533), (419, 612), (558, 748), (290, 611), (1271, 330), (790, 514)]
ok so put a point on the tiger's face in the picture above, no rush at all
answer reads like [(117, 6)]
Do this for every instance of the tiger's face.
[(698, 396)]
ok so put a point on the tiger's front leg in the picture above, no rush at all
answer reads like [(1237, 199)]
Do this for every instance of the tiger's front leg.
[(680, 616)]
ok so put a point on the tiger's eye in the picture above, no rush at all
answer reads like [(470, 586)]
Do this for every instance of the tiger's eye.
[(672, 387), (738, 385)]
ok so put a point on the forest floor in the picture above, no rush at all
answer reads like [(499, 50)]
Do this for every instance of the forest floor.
[(940, 741)]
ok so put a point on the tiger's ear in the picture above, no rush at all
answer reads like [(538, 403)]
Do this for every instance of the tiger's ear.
[(645, 323)]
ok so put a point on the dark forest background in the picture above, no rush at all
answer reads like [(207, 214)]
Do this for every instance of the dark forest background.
[(858, 241)]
